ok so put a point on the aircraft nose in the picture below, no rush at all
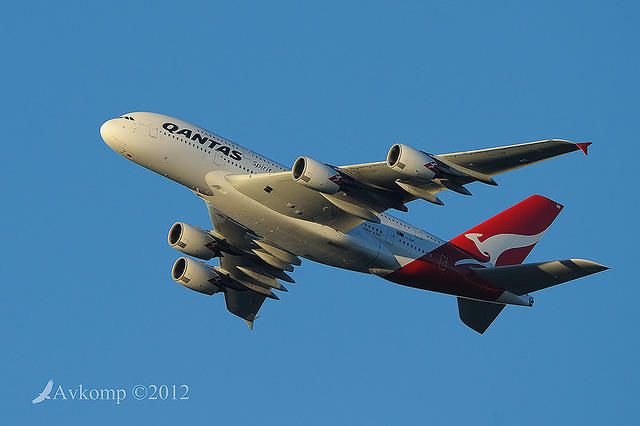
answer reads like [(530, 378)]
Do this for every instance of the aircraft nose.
[(107, 131)]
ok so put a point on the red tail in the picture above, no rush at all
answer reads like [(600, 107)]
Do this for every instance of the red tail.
[(508, 237)]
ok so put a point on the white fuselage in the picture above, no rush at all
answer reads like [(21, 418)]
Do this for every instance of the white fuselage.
[(197, 158)]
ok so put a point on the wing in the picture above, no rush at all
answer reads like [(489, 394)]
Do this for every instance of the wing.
[(251, 266), (460, 168), (365, 190), (493, 161)]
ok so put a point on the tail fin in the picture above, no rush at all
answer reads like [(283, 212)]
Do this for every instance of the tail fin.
[(508, 237)]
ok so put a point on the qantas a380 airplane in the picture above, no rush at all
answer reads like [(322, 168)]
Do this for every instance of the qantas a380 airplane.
[(266, 216)]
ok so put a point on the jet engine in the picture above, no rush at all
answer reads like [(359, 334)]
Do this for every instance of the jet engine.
[(193, 241), (316, 175), (196, 276), (412, 163)]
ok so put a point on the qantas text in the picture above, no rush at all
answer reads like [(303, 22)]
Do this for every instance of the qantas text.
[(189, 134)]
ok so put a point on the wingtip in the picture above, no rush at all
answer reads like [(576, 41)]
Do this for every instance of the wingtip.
[(250, 322), (583, 146)]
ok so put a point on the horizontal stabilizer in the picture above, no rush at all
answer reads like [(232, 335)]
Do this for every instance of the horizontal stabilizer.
[(530, 277), (478, 315)]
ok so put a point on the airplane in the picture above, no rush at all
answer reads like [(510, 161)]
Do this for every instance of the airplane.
[(266, 217)]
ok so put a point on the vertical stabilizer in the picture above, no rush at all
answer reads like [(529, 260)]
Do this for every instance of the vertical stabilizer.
[(508, 237)]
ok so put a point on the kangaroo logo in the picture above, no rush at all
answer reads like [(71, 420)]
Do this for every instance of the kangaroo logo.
[(337, 179), (433, 166), (494, 246), (44, 394)]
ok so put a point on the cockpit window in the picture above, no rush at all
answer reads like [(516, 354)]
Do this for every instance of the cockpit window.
[(127, 117)]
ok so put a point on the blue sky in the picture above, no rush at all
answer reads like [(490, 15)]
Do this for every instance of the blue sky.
[(88, 297)]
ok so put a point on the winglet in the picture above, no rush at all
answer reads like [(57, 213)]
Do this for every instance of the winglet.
[(583, 147)]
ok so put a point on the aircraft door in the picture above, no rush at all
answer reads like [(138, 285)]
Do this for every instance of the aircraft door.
[(153, 130), (391, 233), (217, 159)]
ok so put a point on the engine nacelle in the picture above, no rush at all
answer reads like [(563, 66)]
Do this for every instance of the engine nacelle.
[(412, 163), (196, 276), (316, 175), (193, 241)]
